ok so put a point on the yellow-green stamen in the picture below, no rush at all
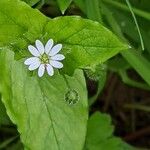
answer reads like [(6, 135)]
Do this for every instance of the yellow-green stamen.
[(44, 59)]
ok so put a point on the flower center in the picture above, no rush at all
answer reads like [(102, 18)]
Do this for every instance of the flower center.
[(44, 59)]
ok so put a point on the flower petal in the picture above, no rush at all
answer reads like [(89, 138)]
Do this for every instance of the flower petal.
[(48, 46), (56, 64), (34, 66), (55, 49), (50, 70), (31, 60), (41, 70), (33, 51), (58, 57), (40, 46)]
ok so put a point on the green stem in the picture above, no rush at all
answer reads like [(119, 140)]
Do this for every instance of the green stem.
[(131, 82), (7, 142), (136, 60), (66, 80), (139, 63), (121, 6), (136, 23)]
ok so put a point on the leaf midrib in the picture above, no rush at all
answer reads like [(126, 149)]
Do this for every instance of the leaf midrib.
[(50, 116)]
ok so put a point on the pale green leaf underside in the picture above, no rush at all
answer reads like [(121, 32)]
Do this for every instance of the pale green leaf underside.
[(38, 107), (63, 5), (85, 42)]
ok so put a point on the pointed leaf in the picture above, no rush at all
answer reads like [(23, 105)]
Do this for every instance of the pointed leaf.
[(63, 5), (85, 42)]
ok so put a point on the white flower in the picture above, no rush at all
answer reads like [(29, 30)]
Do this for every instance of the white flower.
[(45, 58)]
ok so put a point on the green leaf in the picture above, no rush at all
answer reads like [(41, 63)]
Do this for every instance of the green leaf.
[(63, 5), (19, 24), (85, 42), (38, 106), (100, 134)]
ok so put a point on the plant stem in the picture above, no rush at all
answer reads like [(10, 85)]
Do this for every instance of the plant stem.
[(7, 142), (136, 23), (138, 12)]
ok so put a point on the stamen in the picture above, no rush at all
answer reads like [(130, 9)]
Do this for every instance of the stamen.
[(44, 59)]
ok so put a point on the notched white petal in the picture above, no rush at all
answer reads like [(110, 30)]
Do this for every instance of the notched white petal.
[(55, 49), (50, 70), (49, 46), (33, 51), (58, 57), (56, 64), (31, 60), (34, 66), (40, 46), (41, 70)]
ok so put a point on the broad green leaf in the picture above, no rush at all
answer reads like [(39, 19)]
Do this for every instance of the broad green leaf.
[(100, 134), (63, 5), (19, 24), (85, 42), (39, 108)]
